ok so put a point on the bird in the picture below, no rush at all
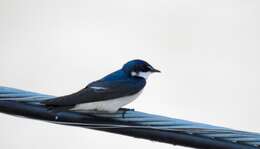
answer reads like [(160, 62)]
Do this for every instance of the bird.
[(109, 93)]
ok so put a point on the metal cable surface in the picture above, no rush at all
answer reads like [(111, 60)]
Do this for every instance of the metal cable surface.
[(133, 123)]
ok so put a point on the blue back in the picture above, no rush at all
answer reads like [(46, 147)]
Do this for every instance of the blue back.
[(117, 75)]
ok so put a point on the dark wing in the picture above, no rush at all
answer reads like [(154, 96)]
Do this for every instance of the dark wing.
[(99, 91)]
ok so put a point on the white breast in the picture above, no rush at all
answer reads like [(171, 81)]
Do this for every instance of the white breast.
[(108, 105)]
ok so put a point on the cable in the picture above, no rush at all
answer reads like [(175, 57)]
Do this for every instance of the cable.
[(137, 124)]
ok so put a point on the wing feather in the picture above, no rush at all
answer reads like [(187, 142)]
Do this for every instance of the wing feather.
[(100, 91)]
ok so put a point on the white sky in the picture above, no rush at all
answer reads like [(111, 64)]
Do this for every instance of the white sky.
[(207, 50)]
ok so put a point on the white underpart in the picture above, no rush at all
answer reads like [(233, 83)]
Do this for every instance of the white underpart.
[(144, 75), (108, 105)]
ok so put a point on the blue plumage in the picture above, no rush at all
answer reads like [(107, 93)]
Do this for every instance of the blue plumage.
[(109, 93), (117, 75)]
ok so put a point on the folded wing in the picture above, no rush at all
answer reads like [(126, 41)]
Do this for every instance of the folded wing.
[(99, 91)]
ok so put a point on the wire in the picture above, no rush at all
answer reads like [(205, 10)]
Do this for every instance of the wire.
[(137, 124)]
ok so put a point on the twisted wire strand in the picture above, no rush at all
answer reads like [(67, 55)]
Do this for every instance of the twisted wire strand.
[(138, 120)]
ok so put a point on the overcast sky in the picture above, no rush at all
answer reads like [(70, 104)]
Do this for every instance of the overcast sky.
[(208, 52)]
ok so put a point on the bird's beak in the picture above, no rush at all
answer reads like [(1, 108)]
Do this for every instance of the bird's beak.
[(155, 70)]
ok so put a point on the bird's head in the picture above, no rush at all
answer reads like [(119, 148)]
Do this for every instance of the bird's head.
[(139, 68)]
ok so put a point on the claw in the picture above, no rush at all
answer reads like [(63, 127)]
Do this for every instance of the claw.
[(125, 110)]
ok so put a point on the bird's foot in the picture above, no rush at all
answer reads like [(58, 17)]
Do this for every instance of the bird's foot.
[(125, 110)]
